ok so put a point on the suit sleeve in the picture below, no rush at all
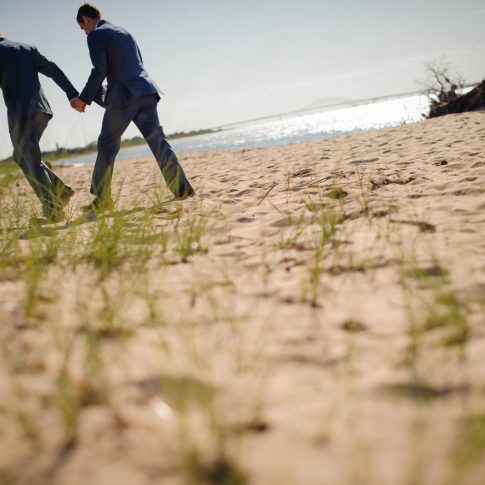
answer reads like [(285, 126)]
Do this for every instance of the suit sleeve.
[(97, 52), (49, 69)]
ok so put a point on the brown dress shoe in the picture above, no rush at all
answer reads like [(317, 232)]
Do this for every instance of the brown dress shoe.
[(188, 192), (66, 196), (100, 205)]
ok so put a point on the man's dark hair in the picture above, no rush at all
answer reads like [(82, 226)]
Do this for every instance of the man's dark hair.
[(87, 10)]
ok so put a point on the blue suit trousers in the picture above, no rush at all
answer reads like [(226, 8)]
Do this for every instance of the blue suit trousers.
[(25, 135), (142, 111)]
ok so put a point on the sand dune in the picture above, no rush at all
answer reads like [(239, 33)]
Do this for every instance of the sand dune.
[(315, 315)]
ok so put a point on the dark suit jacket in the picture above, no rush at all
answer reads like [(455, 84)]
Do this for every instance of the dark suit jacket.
[(20, 65), (116, 56)]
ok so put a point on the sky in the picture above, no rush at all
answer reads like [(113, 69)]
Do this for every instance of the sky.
[(223, 61)]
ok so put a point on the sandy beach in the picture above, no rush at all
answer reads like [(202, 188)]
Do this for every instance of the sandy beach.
[(315, 315)]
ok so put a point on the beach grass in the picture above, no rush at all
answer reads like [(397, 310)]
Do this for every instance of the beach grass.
[(233, 339)]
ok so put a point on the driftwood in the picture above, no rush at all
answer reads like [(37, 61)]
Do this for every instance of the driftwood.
[(450, 102)]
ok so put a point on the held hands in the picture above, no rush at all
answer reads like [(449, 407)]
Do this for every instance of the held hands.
[(78, 104)]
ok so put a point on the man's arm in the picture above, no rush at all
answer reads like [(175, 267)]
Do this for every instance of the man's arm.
[(49, 69), (99, 71)]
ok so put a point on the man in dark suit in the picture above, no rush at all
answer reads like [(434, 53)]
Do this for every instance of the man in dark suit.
[(28, 113), (131, 96)]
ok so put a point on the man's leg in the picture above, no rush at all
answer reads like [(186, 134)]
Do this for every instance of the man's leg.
[(147, 122), (61, 191), (25, 140), (114, 125)]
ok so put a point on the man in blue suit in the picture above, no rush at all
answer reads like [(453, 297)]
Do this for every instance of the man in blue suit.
[(131, 96), (28, 114)]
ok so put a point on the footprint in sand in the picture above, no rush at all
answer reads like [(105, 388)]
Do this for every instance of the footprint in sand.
[(245, 219), (285, 222), (469, 191), (421, 225), (304, 172), (369, 160), (243, 192)]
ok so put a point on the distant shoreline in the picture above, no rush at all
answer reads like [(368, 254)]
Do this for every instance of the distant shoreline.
[(190, 141), (63, 153)]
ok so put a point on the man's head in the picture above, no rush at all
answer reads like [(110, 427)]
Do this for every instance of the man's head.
[(87, 17)]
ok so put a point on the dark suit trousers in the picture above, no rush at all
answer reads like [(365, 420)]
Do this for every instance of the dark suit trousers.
[(143, 112), (25, 135)]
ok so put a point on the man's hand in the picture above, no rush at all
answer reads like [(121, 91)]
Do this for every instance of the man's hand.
[(78, 104)]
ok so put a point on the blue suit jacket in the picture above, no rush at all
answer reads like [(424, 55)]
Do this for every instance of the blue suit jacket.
[(20, 65), (116, 56)]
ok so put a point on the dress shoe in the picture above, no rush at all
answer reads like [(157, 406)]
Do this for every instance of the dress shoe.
[(53, 214), (188, 192), (66, 196), (100, 205)]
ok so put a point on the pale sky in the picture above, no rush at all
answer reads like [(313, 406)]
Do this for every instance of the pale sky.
[(222, 61)]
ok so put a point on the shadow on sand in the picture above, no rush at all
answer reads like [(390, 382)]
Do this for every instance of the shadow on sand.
[(41, 227)]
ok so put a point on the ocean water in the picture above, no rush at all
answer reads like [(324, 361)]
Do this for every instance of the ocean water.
[(295, 128)]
